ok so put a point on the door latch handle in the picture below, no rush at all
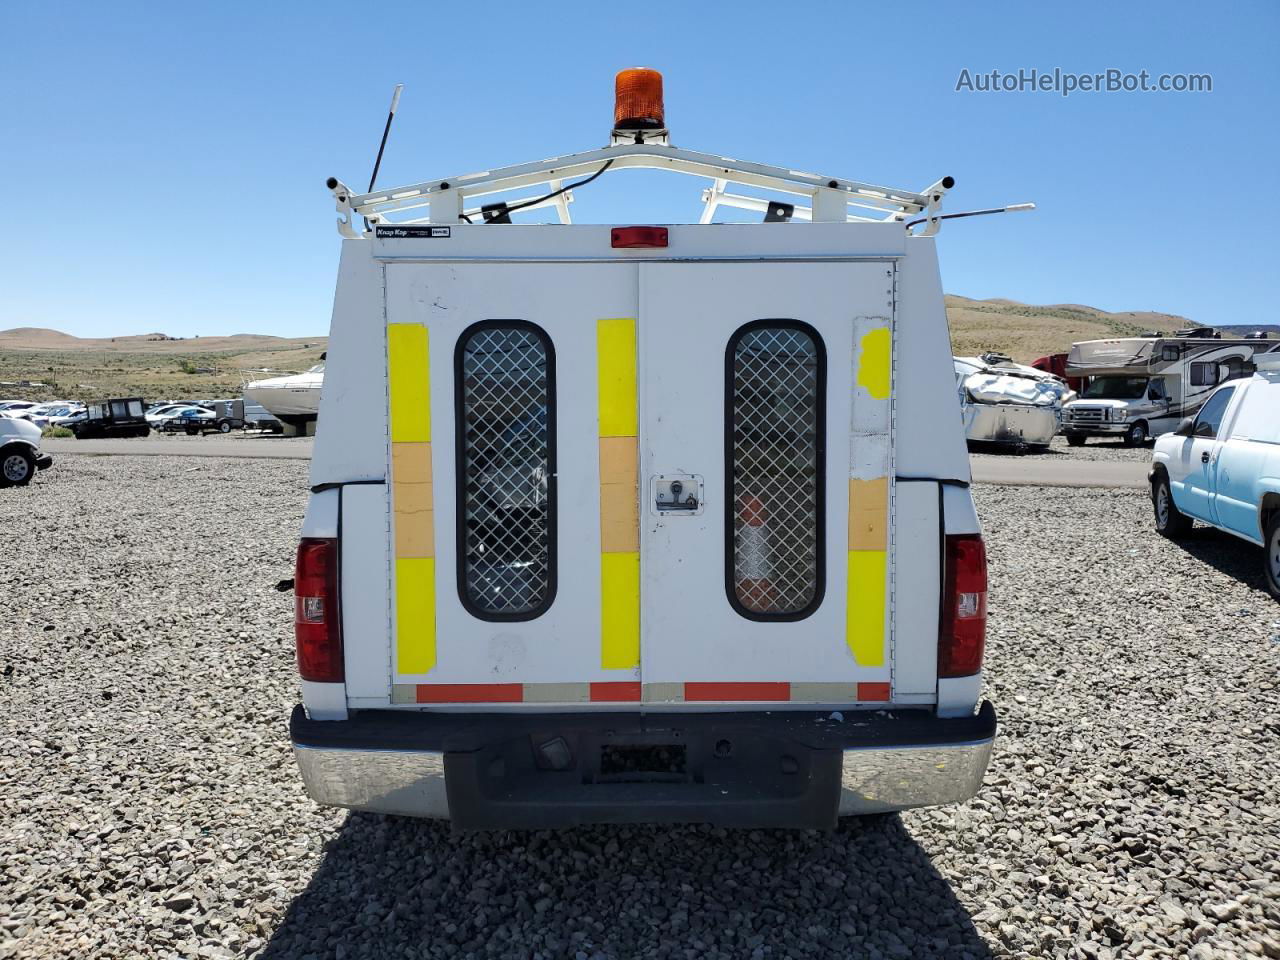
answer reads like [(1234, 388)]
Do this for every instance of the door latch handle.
[(688, 503), (1204, 457), (678, 493)]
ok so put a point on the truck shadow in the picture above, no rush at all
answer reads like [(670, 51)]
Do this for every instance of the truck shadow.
[(1227, 554), (389, 886)]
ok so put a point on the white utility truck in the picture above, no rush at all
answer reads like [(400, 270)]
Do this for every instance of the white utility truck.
[(640, 522), (1142, 387)]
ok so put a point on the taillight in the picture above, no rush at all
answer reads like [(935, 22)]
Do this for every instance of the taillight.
[(316, 623), (963, 632)]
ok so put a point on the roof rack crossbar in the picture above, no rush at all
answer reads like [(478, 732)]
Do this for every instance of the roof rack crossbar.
[(831, 196)]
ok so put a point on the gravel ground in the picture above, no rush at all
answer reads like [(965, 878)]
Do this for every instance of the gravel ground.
[(149, 805), (1095, 448)]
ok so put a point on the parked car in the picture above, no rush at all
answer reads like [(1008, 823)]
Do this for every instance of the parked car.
[(188, 419), (16, 406), (46, 413), (157, 415), (20, 455), (72, 418), (122, 417), (1222, 467)]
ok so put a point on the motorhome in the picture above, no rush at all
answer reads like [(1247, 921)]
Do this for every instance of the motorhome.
[(1137, 388), (640, 522)]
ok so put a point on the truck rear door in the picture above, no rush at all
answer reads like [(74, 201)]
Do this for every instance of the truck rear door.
[(512, 495), (765, 475), (661, 482)]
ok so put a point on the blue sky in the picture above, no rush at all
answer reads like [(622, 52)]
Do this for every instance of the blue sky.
[(165, 163)]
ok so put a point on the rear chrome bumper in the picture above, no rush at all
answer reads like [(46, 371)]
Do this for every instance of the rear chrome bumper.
[(884, 779), (486, 777), (408, 783)]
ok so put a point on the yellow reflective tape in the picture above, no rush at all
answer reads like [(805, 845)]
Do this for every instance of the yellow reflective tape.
[(864, 623), (409, 378), (415, 614), (616, 373), (619, 570), (619, 611), (873, 362)]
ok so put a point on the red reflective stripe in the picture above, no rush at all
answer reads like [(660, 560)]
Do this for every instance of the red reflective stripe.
[(470, 692), (615, 690), (737, 691), (873, 691)]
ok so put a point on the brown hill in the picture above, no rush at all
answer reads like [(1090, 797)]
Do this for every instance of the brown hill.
[(160, 367), (1026, 332), (40, 338), (153, 366)]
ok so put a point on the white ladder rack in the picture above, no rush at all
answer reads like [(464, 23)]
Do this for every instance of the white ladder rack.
[(829, 198)]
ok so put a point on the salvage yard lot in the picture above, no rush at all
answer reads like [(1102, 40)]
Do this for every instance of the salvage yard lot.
[(149, 805)]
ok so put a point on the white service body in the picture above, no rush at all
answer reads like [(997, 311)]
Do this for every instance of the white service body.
[(663, 618)]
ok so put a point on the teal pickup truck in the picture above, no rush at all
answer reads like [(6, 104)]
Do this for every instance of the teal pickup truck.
[(1223, 466)]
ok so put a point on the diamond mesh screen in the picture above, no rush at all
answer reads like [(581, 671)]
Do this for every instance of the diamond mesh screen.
[(505, 470), (775, 423)]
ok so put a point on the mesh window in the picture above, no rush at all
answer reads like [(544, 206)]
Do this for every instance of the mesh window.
[(777, 378), (506, 466)]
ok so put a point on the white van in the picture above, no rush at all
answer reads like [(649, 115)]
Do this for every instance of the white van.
[(640, 522)]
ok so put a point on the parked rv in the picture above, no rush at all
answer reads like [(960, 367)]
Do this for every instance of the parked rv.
[(1007, 403), (559, 568), (1222, 467), (1141, 387)]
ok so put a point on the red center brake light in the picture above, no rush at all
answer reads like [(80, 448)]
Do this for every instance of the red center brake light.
[(317, 625), (639, 236), (963, 630)]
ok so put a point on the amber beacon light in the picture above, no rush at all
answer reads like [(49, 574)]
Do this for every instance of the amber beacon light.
[(637, 101)]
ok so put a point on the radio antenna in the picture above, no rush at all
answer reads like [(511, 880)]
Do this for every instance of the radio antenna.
[(391, 115)]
